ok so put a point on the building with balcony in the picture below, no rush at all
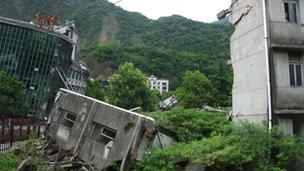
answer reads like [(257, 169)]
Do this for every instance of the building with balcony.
[(161, 85), (267, 57), (40, 57)]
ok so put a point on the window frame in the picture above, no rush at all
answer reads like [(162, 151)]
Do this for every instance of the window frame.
[(292, 15), (64, 119), (295, 64), (101, 134)]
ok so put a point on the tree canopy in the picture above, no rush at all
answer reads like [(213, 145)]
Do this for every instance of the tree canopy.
[(11, 93), (196, 90), (95, 90), (129, 88)]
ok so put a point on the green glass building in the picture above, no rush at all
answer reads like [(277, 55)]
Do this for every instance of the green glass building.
[(36, 55)]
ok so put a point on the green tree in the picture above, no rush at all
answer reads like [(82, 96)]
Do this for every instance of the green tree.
[(11, 92), (196, 90), (129, 88), (95, 90)]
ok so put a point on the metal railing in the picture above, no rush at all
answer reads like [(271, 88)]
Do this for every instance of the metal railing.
[(10, 134)]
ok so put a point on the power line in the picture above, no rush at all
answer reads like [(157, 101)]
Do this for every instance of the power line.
[(117, 2)]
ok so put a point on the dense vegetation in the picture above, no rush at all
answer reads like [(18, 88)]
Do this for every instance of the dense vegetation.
[(95, 91), (166, 47), (129, 89), (101, 21), (104, 59), (208, 139), (11, 93), (192, 124), (196, 90)]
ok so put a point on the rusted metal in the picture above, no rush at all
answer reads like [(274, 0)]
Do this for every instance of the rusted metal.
[(16, 129)]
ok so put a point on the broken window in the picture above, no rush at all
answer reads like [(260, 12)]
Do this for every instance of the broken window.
[(103, 134), (291, 12), (295, 70), (68, 118)]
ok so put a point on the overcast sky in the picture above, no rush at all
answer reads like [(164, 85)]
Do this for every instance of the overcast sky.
[(199, 10)]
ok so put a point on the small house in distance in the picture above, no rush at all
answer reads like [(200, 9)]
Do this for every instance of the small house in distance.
[(161, 85), (100, 134)]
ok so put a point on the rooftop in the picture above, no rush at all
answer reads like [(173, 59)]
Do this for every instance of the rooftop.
[(19, 23)]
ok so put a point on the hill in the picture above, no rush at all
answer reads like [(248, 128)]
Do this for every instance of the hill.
[(101, 21), (165, 47)]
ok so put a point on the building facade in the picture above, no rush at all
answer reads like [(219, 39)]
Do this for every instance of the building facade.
[(37, 56), (100, 134), (77, 77), (267, 57), (160, 85)]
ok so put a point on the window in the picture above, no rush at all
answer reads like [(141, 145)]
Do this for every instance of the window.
[(291, 13), (69, 118), (295, 70), (103, 134)]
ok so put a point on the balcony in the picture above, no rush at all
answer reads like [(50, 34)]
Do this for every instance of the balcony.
[(285, 35), (289, 100)]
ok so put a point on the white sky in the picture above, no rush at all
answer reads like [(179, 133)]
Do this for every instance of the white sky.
[(199, 10)]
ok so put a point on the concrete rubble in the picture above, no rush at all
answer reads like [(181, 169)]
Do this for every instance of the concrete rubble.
[(87, 134), (168, 103)]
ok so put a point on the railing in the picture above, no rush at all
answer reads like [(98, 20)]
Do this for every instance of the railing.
[(10, 134)]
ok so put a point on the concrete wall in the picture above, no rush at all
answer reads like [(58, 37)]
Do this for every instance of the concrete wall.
[(283, 33), (248, 61), (63, 101), (286, 97), (134, 133), (249, 58)]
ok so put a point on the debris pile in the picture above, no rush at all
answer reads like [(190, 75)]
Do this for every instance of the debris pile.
[(168, 103)]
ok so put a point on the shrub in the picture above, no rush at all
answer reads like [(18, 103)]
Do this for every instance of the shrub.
[(192, 124), (247, 147), (9, 162)]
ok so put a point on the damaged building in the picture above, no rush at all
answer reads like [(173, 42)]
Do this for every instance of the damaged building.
[(42, 58), (267, 57), (100, 134)]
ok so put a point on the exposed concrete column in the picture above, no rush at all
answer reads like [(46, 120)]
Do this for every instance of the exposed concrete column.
[(286, 125)]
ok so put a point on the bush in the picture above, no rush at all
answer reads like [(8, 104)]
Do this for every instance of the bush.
[(248, 147), (9, 162), (192, 124)]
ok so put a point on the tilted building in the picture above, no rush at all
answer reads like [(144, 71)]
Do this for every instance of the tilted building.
[(267, 57), (39, 57), (102, 134)]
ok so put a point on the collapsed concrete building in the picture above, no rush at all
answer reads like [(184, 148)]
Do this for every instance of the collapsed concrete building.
[(267, 57), (100, 134)]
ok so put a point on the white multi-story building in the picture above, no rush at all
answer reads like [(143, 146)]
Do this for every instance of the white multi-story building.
[(160, 85)]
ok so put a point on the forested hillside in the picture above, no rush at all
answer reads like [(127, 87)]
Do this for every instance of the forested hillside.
[(110, 36)]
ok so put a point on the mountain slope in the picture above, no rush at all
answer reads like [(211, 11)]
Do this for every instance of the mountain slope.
[(101, 21), (166, 47)]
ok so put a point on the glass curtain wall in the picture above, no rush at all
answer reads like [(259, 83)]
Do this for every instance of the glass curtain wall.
[(33, 55)]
